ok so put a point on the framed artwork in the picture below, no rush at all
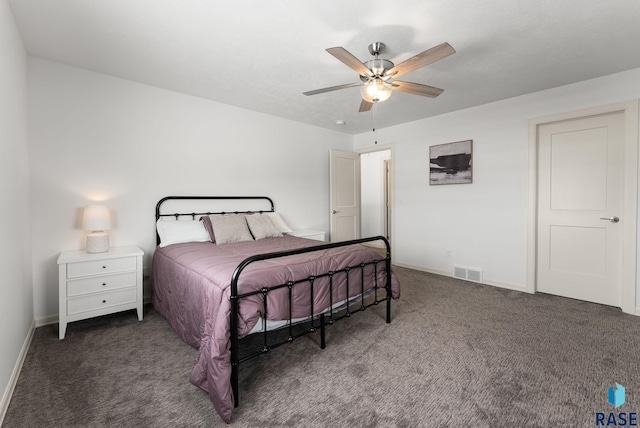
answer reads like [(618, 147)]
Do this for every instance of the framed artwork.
[(451, 163)]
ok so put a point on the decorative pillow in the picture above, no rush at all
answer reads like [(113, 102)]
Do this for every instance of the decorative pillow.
[(206, 221), (230, 228), (279, 223), (261, 226), (177, 231)]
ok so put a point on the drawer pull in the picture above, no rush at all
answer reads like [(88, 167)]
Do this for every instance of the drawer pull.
[(104, 267), (104, 301), (104, 283)]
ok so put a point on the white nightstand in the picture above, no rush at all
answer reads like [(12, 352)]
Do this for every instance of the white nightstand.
[(92, 285), (318, 235)]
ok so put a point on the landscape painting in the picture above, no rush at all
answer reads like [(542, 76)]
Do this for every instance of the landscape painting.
[(450, 163)]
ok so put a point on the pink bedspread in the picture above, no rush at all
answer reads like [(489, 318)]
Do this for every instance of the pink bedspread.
[(191, 288)]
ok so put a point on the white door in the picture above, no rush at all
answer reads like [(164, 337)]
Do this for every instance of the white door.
[(580, 202), (345, 195)]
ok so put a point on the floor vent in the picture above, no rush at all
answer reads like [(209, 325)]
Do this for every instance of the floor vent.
[(468, 274)]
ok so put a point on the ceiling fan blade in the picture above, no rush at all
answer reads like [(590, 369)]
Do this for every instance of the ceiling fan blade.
[(416, 89), (365, 106), (351, 61), (421, 60), (332, 88)]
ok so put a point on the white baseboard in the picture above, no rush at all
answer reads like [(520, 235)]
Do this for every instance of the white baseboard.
[(13, 380), (51, 319), (375, 244), (514, 287), (423, 269)]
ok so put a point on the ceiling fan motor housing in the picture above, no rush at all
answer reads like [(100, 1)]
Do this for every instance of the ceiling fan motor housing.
[(378, 67)]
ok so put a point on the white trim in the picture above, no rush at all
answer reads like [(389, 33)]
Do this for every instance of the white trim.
[(497, 284), (629, 212), (375, 244), (13, 380), (379, 148), (51, 319)]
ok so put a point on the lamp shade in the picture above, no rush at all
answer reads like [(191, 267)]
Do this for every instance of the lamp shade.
[(96, 217), (376, 90)]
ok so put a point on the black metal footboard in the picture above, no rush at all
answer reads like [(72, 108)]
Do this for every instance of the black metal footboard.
[(317, 321)]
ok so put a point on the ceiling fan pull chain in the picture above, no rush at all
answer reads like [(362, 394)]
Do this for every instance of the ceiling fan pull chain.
[(373, 121)]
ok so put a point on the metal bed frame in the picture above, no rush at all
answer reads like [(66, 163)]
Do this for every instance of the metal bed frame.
[(327, 317)]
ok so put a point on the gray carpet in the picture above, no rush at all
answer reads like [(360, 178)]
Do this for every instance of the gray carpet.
[(456, 354)]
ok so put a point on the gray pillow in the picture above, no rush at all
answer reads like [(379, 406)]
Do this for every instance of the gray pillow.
[(230, 228), (262, 226)]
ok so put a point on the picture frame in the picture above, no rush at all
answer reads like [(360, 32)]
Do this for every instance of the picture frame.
[(451, 163)]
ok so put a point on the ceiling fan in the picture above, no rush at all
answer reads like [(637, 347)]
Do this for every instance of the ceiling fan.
[(378, 75)]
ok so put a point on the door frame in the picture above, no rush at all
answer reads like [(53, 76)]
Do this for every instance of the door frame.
[(386, 190), (630, 205), (391, 147)]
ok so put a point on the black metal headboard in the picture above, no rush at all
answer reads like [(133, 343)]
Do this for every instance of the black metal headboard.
[(201, 211)]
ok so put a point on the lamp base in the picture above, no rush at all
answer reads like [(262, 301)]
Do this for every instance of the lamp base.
[(97, 242)]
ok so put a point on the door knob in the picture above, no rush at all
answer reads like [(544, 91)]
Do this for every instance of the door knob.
[(335, 212), (613, 219)]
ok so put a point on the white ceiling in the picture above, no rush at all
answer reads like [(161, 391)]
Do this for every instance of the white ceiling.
[(261, 55)]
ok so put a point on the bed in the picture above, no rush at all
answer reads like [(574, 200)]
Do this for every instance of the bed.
[(215, 290)]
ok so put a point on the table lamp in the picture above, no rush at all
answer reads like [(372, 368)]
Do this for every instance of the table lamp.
[(97, 219)]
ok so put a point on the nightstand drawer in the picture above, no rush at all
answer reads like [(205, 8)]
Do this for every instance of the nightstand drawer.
[(94, 284), (98, 267), (92, 302)]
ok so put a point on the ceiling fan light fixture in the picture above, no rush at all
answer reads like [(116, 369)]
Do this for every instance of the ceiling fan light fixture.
[(379, 75), (376, 90)]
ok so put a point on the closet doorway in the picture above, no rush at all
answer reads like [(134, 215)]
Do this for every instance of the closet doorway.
[(376, 193)]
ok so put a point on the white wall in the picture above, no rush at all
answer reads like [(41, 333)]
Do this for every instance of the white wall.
[(16, 298), (482, 224), (95, 137)]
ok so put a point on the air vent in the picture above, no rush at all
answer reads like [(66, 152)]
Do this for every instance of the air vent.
[(467, 273)]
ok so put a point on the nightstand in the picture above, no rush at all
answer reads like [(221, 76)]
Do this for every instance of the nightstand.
[(318, 235), (92, 285)]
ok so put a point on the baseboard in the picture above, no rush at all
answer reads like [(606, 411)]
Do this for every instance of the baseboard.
[(51, 319), (423, 269), (375, 244), (507, 286), (13, 380)]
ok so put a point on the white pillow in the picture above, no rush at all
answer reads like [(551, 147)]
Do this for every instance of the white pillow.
[(177, 231), (261, 226), (230, 228), (279, 223)]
